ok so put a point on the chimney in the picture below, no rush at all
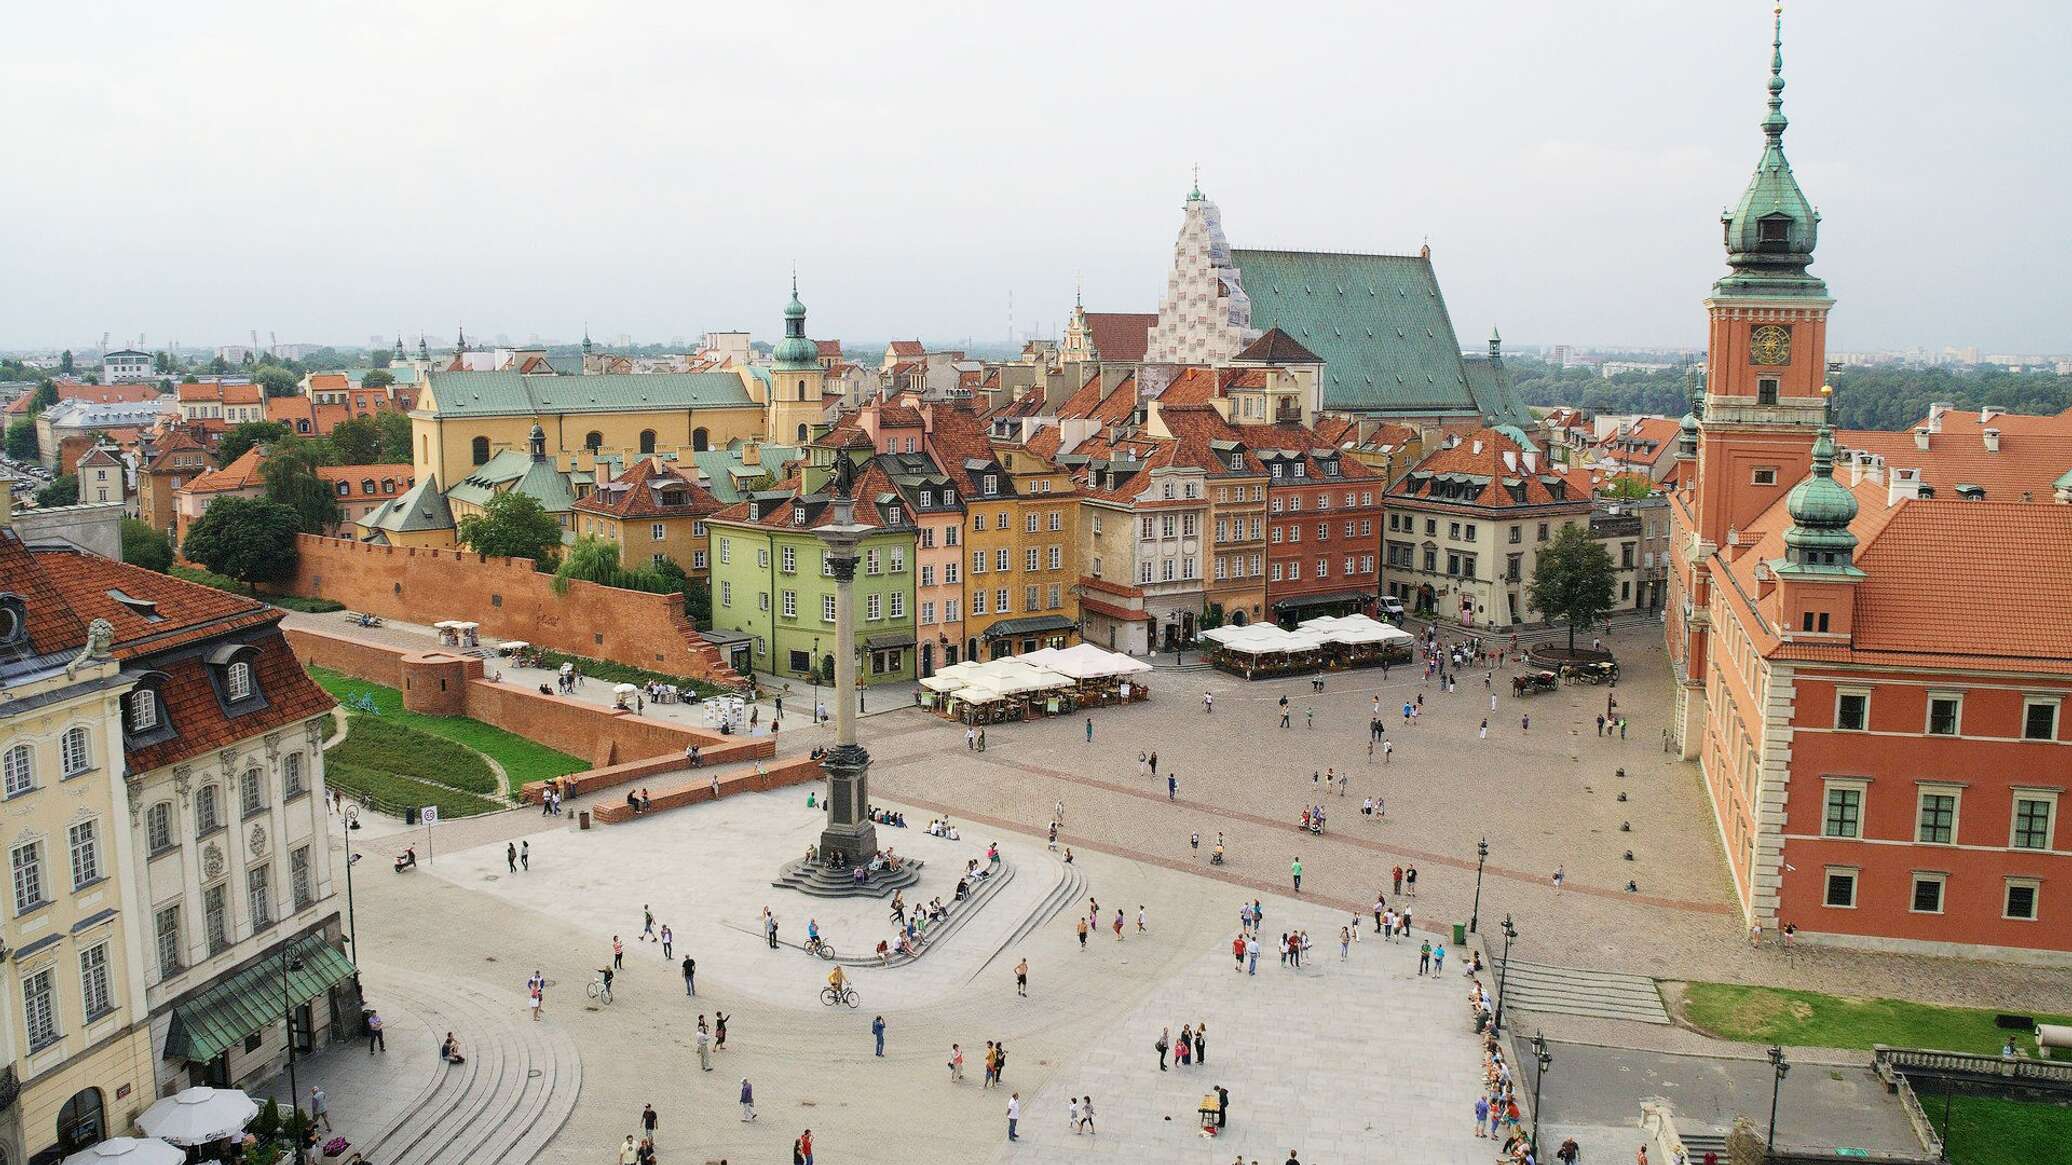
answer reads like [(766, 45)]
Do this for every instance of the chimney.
[(1935, 415), (1992, 437), (752, 453), (1856, 464), (1905, 484), (1921, 434), (1986, 413)]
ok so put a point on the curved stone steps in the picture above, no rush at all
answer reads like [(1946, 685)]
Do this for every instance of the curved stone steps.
[(1068, 890)]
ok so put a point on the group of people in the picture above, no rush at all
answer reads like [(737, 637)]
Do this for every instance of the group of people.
[(1190, 1050), (1496, 1106), (639, 802), (550, 799)]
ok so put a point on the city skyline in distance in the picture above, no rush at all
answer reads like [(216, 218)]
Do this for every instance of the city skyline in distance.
[(1567, 173)]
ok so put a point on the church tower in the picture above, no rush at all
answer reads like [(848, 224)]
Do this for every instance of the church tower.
[(1767, 346), (795, 378), (1206, 317)]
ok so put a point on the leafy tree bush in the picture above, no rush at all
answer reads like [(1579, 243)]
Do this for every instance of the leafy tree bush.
[(512, 525), (246, 435), (62, 491), (249, 539), (21, 440), (291, 479), (146, 547), (1572, 580)]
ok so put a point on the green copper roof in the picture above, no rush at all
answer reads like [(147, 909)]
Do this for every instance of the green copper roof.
[(1377, 321), (510, 394), (421, 507), (1821, 508), (795, 352), (517, 471), (252, 1000), (725, 473), (1771, 231)]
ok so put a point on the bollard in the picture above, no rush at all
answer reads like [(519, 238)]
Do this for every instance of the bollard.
[(1629, 855), (1622, 796), (1622, 772), (1625, 827)]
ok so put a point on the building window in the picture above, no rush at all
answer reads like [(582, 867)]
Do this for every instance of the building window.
[(167, 923), (726, 550), (647, 440), (86, 855), (1032, 558), (2021, 899), (762, 600), (726, 592), (1938, 819), (143, 710), (158, 827), (40, 1009), (238, 681), (215, 917), (1057, 594), (2033, 818), (259, 896), (251, 793), (1928, 893), (1764, 475), (827, 608), (206, 819), (657, 532), (74, 752), (1002, 560), (874, 606), (1000, 601), (896, 560), (1841, 888), (479, 450), (870, 562), (1852, 711), (20, 770), (898, 605), (1543, 532), (1766, 390), (978, 602), (927, 615), (790, 601), (94, 989), (291, 775), (1844, 814), (298, 877), (27, 861), (788, 560), (1944, 713), (2040, 718)]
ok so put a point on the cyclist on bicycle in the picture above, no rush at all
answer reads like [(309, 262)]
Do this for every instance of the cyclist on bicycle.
[(607, 973), (837, 980), (812, 934)]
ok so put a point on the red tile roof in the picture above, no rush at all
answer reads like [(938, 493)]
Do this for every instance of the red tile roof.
[(298, 411), (1644, 441), (242, 473), (1120, 335), (1478, 463), (907, 348), (200, 726), (829, 348), (637, 493), (229, 394), (1278, 347), (52, 626), (2033, 453), (329, 382), (185, 611), (1192, 387)]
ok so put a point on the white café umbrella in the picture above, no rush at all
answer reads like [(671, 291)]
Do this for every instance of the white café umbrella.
[(128, 1151), (198, 1115)]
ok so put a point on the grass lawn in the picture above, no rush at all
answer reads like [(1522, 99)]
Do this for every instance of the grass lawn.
[(207, 578), (1993, 1131), (393, 792), (381, 744), (522, 759), (1772, 1015)]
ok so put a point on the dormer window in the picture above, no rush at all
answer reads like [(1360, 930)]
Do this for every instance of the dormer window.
[(1773, 232), (344, 489), (927, 498), (234, 670), (143, 710), (892, 514), (1301, 470), (237, 681), (798, 516), (991, 484)]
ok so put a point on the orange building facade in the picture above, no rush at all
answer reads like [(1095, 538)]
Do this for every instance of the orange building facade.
[(1884, 768)]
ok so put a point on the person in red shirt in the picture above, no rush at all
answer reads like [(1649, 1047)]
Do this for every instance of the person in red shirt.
[(1237, 950), (806, 1145)]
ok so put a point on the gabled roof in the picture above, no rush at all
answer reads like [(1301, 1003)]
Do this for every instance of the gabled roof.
[(907, 348), (518, 472), (639, 491), (422, 507), (1194, 385), (176, 440), (180, 611), (1377, 322), (510, 394), (831, 348), (1275, 346), (219, 393), (1487, 468), (1643, 441), (1120, 335), (52, 627), (242, 473), (320, 418), (2034, 452)]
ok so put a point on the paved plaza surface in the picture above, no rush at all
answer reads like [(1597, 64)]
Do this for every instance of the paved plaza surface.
[(1395, 1083)]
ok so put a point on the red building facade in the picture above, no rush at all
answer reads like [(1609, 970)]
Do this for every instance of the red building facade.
[(1323, 524)]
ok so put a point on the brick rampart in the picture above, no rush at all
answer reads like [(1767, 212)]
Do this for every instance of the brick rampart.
[(802, 771), (362, 661), (510, 600)]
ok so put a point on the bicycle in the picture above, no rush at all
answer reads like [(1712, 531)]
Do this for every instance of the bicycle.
[(821, 947), (600, 990), (830, 997)]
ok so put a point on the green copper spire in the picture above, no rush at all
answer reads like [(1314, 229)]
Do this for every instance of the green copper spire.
[(1821, 508), (1771, 232), (795, 353), (1195, 194)]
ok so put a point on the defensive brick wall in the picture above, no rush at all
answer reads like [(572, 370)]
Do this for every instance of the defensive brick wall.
[(510, 600), (801, 771)]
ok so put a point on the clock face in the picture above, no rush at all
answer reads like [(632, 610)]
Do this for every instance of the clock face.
[(1769, 344)]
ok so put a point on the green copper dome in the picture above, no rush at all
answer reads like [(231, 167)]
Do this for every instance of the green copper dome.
[(1821, 509), (1771, 232), (795, 353)]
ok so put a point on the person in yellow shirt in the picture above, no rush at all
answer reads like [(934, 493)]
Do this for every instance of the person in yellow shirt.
[(837, 980)]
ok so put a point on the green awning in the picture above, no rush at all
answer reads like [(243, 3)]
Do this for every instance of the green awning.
[(254, 999)]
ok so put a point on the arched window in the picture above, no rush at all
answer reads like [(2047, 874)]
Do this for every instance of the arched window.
[(647, 440), (82, 1121), (700, 440), (594, 441), (481, 450), (802, 432), (76, 752)]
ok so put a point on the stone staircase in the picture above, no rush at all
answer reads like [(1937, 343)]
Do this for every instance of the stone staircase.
[(516, 1090), (819, 880), (1571, 991), (960, 914), (1068, 891)]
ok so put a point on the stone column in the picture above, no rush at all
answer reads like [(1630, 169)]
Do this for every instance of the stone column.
[(848, 765)]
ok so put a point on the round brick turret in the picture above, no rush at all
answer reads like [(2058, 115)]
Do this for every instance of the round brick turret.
[(435, 683)]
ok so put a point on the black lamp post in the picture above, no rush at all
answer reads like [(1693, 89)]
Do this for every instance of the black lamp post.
[(813, 668), (1503, 973), (1481, 856), (352, 931), (1780, 1066), (288, 963), (1546, 1061)]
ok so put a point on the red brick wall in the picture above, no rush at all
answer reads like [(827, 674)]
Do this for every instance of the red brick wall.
[(511, 601), (362, 661), (794, 772)]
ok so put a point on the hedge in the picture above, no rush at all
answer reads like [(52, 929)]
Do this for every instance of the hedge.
[(222, 582)]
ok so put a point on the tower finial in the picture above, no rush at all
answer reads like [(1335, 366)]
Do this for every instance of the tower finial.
[(1195, 195), (1078, 289), (1774, 123)]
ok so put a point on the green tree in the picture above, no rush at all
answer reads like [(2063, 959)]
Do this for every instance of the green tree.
[(46, 395), (236, 441), (65, 361), (291, 479), (218, 365), (697, 602), (276, 380), (378, 378), (21, 440), (1572, 580), (146, 547), (512, 525), (380, 357), (357, 440), (190, 378), (395, 436), (1626, 487), (62, 491), (592, 560), (162, 362), (249, 539)]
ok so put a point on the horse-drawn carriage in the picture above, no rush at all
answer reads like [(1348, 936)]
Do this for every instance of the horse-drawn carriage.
[(1602, 672), (1534, 681)]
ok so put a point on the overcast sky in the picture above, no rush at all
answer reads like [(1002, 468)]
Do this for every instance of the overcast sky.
[(331, 171)]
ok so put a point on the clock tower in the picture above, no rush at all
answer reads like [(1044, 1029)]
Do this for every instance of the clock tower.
[(1767, 346)]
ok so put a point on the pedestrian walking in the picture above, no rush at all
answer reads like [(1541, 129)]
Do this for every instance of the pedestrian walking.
[(1481, 1113), (690, 975), (1021, 978), (1118, 924), (1086, 1115), (1410, 881), (878, 1035), (1439, 960), (525, 855), (647, 1121), (747, 1100), (1424, 957), (1388, 751), (1345, 943), (1089, 730), (804, 1148), (1072, 1116), (1398, 876), (647, 923), (1252, 954), (704, 1042), (668, 941), (319, 1107), (1560, 876), (1309, 718), (1194, 842), (1485, 728), (1141, 927), (1295, 871), (1525, 723), (511, 856), (1172, 787), (970, 738), (374, 1037), (1082, 934), (1014, 1114), (719, 1031), (1164, 1044), (956, 1064)]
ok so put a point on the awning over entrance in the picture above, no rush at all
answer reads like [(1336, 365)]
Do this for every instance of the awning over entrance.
[(254, 999), (1032, 625), (888, 642), (1300, 601)]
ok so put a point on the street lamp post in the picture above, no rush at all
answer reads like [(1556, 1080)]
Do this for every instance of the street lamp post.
[(288, 963), (1780, 1066), (1481, 856), (1503, 976), (813, 669), (1546, 1061)]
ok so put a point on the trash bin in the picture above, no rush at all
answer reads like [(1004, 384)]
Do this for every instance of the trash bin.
[(410, 815), (583, 819), (1460, 935)]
